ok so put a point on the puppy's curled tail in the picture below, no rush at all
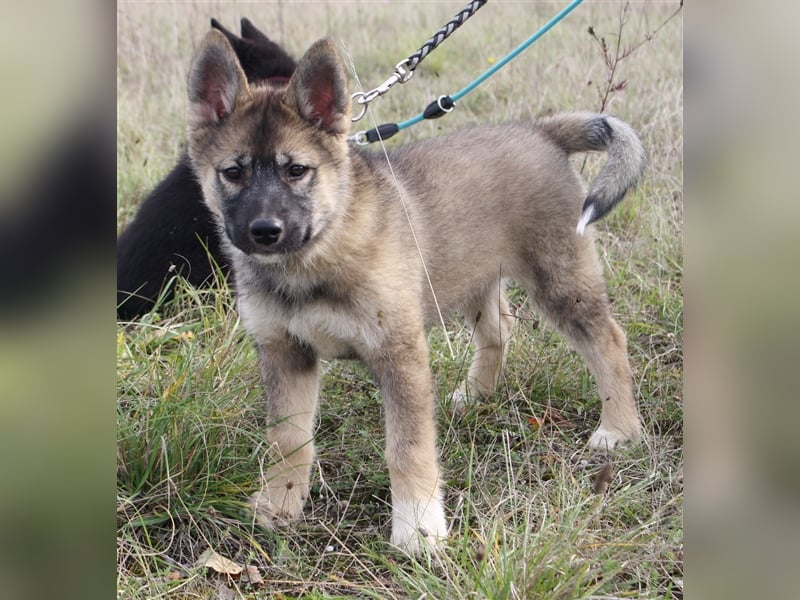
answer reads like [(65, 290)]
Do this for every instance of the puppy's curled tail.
[(583, 132)]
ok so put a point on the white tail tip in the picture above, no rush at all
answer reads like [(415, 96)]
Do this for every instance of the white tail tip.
[(586, 217)]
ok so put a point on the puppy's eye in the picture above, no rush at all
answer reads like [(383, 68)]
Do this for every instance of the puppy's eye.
[(232, 173), (296, 171)]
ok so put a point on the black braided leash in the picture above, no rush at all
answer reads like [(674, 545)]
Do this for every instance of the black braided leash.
[(405, 69), (470, 9)]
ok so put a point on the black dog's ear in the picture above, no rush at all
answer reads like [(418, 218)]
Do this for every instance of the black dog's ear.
[(216, 81), (217, 25), (318, 88), (260, 58), (252, 33), (235, 41)]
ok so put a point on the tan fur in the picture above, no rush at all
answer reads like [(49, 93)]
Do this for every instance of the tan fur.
[(485, 205)]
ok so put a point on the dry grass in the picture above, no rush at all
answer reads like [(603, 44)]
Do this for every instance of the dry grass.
[(526, 522)]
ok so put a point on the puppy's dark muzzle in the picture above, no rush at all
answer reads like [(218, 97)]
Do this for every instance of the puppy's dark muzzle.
[(266, 232)]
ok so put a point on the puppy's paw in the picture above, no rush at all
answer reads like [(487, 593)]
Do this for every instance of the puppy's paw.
[(279, 501), (607, 439), (460, 401), (417, 526), (466, 398)]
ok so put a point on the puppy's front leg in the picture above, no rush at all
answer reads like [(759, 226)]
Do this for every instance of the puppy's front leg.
[(405, 380), (290, 373)]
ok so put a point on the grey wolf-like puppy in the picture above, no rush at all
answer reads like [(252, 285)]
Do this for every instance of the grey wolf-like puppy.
[(327, 265)]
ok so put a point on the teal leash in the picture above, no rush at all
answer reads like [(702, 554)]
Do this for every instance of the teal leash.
[(445, 104)]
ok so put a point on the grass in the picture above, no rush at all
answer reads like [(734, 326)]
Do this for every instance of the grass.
[(520, 485)]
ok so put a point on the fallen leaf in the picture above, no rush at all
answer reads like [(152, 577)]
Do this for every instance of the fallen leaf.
[(535, 422), (219, 563), (480, 552), (253, 575), (552, 416), (604, 477)]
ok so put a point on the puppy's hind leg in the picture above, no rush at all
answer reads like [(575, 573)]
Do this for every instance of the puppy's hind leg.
[(571, 293), (606, 355), (491, 321)]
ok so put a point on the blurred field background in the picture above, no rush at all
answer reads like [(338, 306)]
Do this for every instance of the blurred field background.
[(526, 520)]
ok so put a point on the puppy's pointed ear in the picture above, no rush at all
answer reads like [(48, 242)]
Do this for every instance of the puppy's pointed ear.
[(216, 81), (318, 89)]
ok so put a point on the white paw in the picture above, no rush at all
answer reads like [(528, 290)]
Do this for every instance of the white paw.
[(466, 397), (607, 439), (279, 501), (460, 400), (416, 525)]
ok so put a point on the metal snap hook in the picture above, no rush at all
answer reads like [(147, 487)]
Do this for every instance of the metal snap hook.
[(359, 139), (362, 99), (403, 75)]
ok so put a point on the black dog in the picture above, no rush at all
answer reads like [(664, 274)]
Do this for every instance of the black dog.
[(173, 233)]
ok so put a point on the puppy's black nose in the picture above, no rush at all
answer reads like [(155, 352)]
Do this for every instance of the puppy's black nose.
[(266, 231)]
